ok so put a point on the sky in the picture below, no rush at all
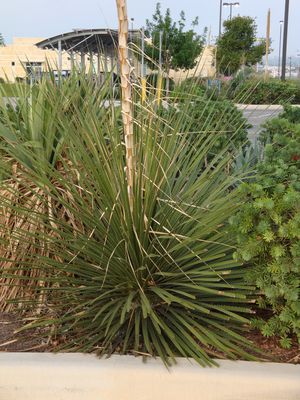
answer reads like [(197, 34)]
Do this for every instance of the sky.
[(45, 18)]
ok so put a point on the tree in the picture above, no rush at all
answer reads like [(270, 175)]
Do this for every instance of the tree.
[(238, 45), (2, 42), (180, 47)]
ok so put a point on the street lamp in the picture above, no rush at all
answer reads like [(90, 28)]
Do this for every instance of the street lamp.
[(280, 38), (235, 4)]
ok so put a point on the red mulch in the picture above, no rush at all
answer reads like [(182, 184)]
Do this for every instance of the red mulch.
[(272, 349), (37, 341)]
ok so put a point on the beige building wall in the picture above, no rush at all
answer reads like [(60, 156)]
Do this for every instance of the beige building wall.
[(15, 56), (205, 68)]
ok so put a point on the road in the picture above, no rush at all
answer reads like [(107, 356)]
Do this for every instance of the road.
[(257, 116)]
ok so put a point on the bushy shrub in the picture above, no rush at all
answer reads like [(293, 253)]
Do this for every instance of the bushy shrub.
[(194, 85), (291, 113), (208, 117), (272, 91), (268, 230), (286, 126)]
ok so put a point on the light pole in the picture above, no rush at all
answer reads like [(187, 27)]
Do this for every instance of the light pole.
[(279, 56), (290, 59), (285, 38), (131, 33), (220, 18), (235, 4)]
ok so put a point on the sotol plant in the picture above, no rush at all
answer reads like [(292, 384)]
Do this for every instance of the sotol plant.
[(149, 270), (34, 128), (156, 276)]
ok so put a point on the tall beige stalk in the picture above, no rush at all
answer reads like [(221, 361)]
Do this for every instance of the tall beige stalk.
[(127, 112)]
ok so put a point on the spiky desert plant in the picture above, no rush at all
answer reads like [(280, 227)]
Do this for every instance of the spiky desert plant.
[(33, 135), (155, 277)]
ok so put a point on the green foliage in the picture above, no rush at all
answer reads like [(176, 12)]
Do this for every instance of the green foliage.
[(284, 130), (246, 160), (237, 45), (268, 229), (157, 279), (207, 116), (272, 91), (2, 41), (34, 129), (180, 47), (292, 114)]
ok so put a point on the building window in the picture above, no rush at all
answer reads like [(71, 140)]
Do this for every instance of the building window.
[(13, 63)]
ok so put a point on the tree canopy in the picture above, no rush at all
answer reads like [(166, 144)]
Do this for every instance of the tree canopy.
[(2, 42), (239, 45), (180, 46)]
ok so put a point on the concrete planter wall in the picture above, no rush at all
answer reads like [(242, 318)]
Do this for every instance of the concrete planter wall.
[(42, 376)]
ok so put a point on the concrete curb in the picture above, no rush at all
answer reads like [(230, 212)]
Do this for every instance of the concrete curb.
[(43, 376), (262, 107)]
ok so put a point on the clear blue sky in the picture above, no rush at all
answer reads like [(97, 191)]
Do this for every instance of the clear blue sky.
[(44, 18)]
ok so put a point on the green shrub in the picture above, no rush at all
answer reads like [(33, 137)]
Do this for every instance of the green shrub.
[(292, 114), (287, 125), (268, 228), (272, 91), (208, 117), (192, 85)]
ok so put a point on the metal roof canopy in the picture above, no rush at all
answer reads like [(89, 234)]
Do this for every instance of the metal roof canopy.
[(84, 41)]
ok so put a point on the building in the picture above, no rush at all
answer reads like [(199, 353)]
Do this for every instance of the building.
[(83, 49), (205, 67), (23, 58), (27, 57)]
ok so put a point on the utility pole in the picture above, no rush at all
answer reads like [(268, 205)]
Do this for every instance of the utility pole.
[(267, 44), (285, 38)]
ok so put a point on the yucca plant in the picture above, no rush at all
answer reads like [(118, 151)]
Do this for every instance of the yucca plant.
[(34, 129), (148, 267), (150, 274)]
